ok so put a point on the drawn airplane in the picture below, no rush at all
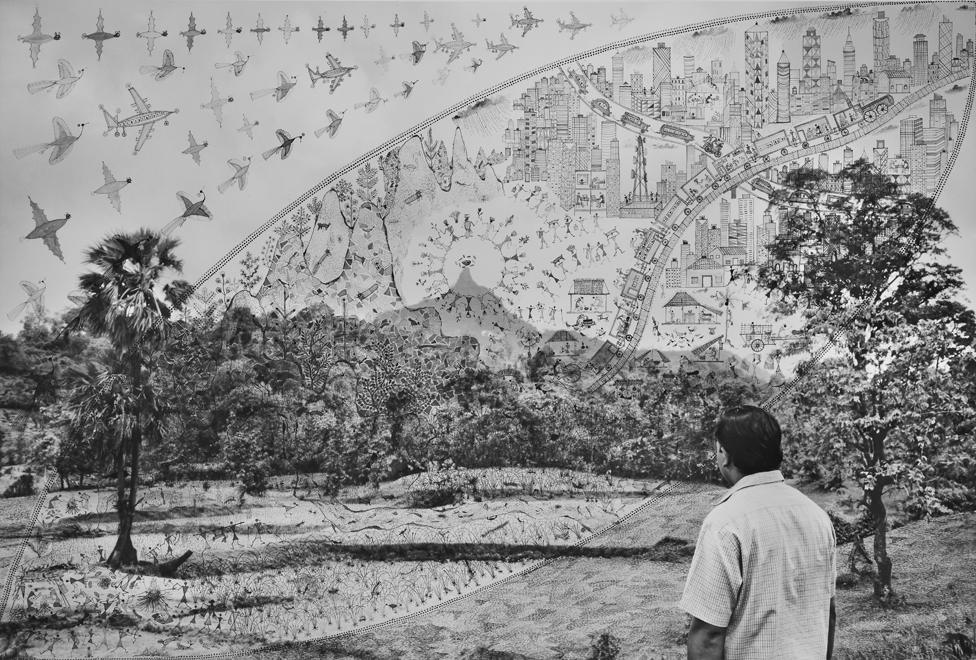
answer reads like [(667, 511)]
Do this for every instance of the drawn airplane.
[(259, 29), (160, 72), (248, 127), (284, 149), (35, 298), (620, 21), (65, 82), (287, 29), (229, 30), (475, 63), (374, 100), (240, 175), (191, 209), (195, 148), (418, 52), (526, 22), (237, 65), (407, 88), (397, 24), (335, 74), (191, 32), (345, 29), (217, 103), (574, 26), (478, 20), (320, 29), (335, 120), (60, 146), (150, 34), (426, 22), (47, 230), (285, 83), (502, 48), (36, 38), (99, 36), (367, 26), (112, 187), (144, 117), (455, 46)]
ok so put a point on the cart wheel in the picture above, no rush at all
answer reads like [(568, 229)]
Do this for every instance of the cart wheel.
[(757, 345)]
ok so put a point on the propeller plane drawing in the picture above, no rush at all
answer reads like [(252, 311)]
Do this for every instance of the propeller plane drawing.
[(248, 127), (65, 82), (237, 66), (335, 74), (335, 120), (47, 230), (191, 210), (374, 100), (455, 46), (60, 146), (239, 177), (502, 48), (35, 299), (285, 83), (345, 29), (191, 32), (259, 29), (195, 147), (163, 71), (99, 36), (229, 30), (286, 144), (112, 187), (145, 118), (287, 29), (527, 21), (36, 38), (150, 34), (320, 29), (574, 26)]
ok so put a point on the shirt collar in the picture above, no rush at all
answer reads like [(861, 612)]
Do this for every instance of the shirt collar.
[(755, 479)]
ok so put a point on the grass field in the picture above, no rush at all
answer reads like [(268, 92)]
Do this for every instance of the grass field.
[(504, 569)]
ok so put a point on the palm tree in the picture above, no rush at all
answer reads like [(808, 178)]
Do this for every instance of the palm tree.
[(127, 303)]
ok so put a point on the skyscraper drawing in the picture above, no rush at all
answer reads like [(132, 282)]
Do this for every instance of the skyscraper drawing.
[(661, 64), (757, 74), (920, 63), (945, 47), (783, 89), (882, 41)]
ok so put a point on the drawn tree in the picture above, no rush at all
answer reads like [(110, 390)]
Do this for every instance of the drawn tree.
[(249, 271), (390, 168), (869, 276), (347, 206), (367, 179)]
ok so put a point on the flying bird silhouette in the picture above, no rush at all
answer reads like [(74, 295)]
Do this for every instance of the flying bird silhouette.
[(217, 103), (192, 209), (248, 127), (47, 230), (284, 149), (237, 65), (150, 34), (65, 82), (60, 146), (36, 38), (240, 174), (35, 298), (112, 187), (195, 148), (285, 83), (160, 72), (335, 120), (99, 36)]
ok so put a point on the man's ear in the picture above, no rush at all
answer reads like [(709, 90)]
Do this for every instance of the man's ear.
[(723, 455)]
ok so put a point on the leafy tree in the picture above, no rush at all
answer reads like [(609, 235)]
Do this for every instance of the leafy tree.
[(128, 303), (861, 265)]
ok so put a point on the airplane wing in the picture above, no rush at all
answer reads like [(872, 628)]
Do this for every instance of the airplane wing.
[(456, 53), (575, 20), (107, 174), (528, 14), (53, 244), (333, 62), (456, 34), (335, 83), (503, 38), (100, 23), (143, 137), (138, 102), (39, 217)]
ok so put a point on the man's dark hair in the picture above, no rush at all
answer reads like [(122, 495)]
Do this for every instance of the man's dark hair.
[(751, 437)]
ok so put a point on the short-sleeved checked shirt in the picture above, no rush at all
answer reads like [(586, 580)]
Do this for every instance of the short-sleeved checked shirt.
[(764, 568)]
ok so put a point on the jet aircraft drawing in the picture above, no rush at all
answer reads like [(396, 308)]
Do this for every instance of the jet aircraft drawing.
[(502, 48), (145, 118), (574, 26), (455, 46), (335, 74), (527, 21)]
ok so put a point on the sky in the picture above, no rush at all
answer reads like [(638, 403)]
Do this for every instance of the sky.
[(160, 169)]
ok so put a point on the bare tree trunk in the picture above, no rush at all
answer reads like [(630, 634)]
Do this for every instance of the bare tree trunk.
[(882, 576)]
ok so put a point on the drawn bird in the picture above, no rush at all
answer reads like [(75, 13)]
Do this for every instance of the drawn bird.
[(237, 65), (150, 34), (191, 32), (65, 83), (240, 174), (160, 72), (259, 29), (47, 230), (112, 187), (60, 146), (192, 209), (99, 36), (475, 63), (374, 100), (217, 103), (248, 127), (285, 83), (195, 148), (229, 31), (35, 298), (36, 38), (335, 120), (285, 147), (407, 88)]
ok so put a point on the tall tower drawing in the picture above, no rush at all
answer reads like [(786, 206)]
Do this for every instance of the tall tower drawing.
[(661, 64), (882, 41), (920, 62), (945, 47), (757, 74), (617, 74), (850, 63), (783, 89), (613, 179), (810, 71), (639, 173)]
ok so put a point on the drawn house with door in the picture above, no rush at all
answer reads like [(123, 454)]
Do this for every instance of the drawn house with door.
[(588, 296), (564, 342), (684, 309)]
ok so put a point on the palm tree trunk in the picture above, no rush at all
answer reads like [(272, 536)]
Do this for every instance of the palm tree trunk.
[(124, 553)]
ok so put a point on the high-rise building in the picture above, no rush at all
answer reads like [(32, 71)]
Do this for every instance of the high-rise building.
[(757, 74), (908, 131), (882, 42), (636, 83), (920, 64), (850, 63), (689, 65), (716, 71), (617, 70), (613, 178), (880, 156), (661, 64), (848, 156), (783, 89), (608, 132), (744, 222), (945, 47), (937, 112), (959, 45), (810, 80)]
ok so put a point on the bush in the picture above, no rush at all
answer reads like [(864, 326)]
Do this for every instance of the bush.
[(605, 647), (249, 461)]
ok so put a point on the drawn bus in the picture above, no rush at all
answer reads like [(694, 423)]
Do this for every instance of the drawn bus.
[(601, 106), (878, 107), (762, 185), (670, 130), (633, 284), (632, 120)]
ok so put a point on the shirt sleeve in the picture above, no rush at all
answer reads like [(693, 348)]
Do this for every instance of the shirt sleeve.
[(832, 554), (715, 577)]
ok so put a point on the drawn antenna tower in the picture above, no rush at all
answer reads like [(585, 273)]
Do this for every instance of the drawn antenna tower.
[(639, 173)]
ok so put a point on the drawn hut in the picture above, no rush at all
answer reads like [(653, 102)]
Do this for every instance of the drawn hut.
[(588, 296), (684, 309), (564, 342)]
